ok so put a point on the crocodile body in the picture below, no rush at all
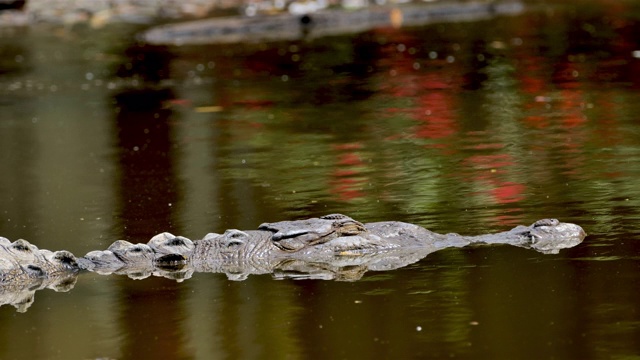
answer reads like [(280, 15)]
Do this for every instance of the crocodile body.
[(329, 247)]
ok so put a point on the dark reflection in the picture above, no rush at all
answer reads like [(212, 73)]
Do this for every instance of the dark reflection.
[(17, 133), (146, 148), (149, 186), (331, 74), (148, 63), (15, 58), (12, 4), (476, 75), (149, 190)]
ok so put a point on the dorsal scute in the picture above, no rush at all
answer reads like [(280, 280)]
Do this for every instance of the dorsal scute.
[(167, 243)]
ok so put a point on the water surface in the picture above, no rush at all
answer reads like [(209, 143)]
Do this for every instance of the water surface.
[(472, 127)]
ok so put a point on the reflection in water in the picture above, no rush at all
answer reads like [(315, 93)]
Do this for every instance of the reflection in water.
[(147, 153), (148, 190), (469, 127), (17, 181)]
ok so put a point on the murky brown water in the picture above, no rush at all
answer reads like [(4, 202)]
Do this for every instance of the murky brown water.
[(471, 127)]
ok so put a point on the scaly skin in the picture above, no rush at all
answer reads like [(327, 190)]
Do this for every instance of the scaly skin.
[(332, 240), (330, 247)]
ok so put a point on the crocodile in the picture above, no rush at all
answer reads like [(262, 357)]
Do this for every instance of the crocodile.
[(331, 247)]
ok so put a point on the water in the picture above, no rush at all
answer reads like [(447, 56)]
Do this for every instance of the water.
[(471, 128)]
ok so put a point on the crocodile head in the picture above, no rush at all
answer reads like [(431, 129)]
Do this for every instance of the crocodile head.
[(551, 235), (298, 234)]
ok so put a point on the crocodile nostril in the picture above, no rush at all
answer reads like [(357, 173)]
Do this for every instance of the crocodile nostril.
[(534, 238)]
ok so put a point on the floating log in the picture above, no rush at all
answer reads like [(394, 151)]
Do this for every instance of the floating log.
[(322, 23)]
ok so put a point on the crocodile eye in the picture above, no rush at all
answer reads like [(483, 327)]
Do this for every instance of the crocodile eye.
[(546, 222), (334, 217)]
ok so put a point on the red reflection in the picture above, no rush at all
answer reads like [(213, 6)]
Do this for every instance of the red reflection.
[(508, 192), (434, 88), (433, 94), (489, 170), (437, 118), (558, 101), (347, 179)]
